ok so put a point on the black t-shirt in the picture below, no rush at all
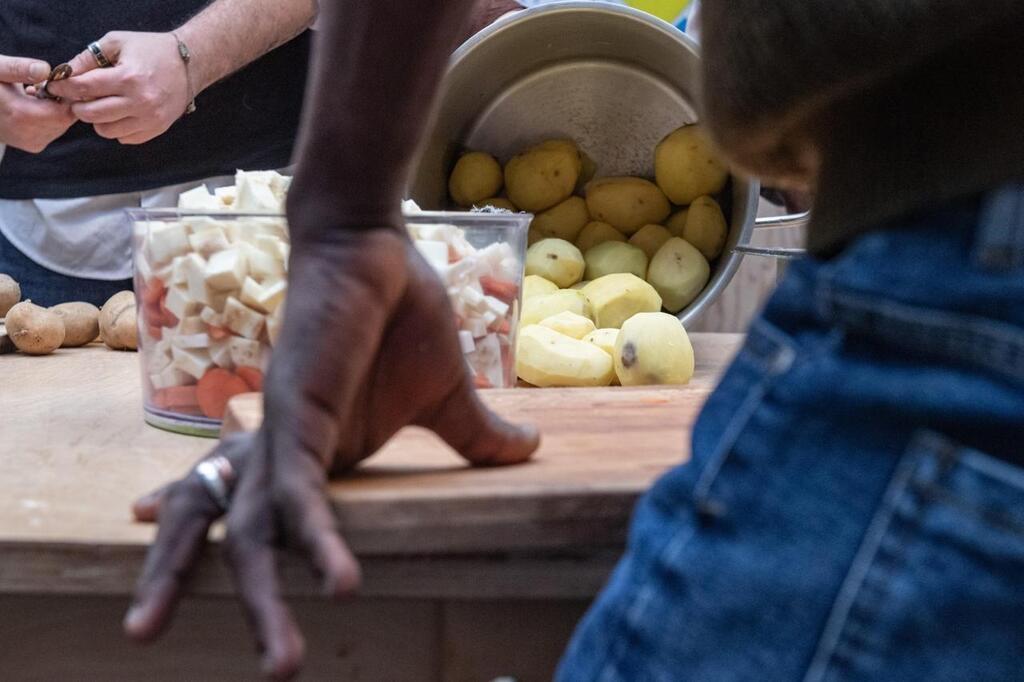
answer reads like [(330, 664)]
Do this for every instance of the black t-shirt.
[(248, 121)]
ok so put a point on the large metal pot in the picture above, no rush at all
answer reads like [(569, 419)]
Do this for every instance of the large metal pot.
[(614, 79)]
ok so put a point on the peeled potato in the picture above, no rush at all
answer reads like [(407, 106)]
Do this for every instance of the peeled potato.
[(612, 257), (556, 260), (475, 177), (686, 166), (546, 358), (10, 294), (605, 340), (540, 308), (595, 233), (543, 176), (653, 349), (535, 285), (616, 298), (679, 272), (650, 238), (562, 221), (706, 227), (570, 324), (581, 284), (118, 322), (498, 202), (33, 329), (627, 204), (677, 222), (81, 323)]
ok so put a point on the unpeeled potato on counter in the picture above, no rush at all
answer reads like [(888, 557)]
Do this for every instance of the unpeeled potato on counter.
[(614, 257), (616, 298), (569, 323), (627, 204), (706, 228), (653, 349), (540, 308), (33, 329), (650, 238), (595, 233), (562, 221), (81, 323), (535, 285), (10, 294), (686, 166), (543, 175), (118, 322), (556, 260), (546, 358), (476, 176), (679, 272)]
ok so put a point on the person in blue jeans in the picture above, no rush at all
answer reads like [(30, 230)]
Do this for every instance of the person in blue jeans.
[(854, 505)]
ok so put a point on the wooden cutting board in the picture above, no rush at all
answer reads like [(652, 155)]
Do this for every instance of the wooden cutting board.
[(600, 449)]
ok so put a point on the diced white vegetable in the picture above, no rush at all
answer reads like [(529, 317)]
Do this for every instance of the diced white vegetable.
[(242, 320), (473, 297), (226, 195), (142, 267), (177, 273), (410, 206), (250, 295), (169, 377), (245, 352), (220, 353), (193, 268), (273, 246), (211, 317), (165, 241), (180, 304), (157, 362), (191, 341), (496, 306), (208, 241), (217, 300), (256, 194), (199, 199), (489, 318), (488, 359), (275, 227), (195, 363), (510, 269), (477, 327), (272, 295), (458, 273), (226, 270), (262, 265), (274, 322), (190, 325), (466, 342), (435, 253)]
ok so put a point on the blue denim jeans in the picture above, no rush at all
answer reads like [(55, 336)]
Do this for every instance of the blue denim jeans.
[(47, 288), (854, 506)]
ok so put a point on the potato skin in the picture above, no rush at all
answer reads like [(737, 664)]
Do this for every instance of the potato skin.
[(627, 204), (33, 329), (706, 227), (686, 166), (118, 322), (543, 176), (562, 221), (476, 176), (81, 323), (10, 294)]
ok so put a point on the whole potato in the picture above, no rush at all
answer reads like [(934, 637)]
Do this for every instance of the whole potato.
[(10, 294), (118, 322), (544, 175), (555, 260), (81, 323), (677, 222), (678, 272), (627, 204), (595, 233), (650, 238), (34, 330), (475, 177), (562, 221), (653, 349), (706, 227), (614, 257), (686, 166)]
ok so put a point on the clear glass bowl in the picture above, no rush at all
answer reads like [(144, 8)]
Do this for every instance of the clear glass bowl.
[(211, 289)]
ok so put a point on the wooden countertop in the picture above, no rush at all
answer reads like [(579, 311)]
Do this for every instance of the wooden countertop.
[(74, 453)]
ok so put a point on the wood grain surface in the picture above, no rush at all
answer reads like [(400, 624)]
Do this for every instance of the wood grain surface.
[(75, 453)]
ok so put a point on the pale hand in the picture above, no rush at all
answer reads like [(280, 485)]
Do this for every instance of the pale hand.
[(27, 123), (137, 99)]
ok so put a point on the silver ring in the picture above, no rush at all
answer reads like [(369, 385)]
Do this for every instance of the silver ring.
[(218, 477), (97, 54)]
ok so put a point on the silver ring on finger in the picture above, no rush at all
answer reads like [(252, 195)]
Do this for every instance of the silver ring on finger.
[(97, 54), (218, 477)]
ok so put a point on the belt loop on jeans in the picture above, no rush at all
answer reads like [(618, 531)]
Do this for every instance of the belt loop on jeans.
[(1000, 237)]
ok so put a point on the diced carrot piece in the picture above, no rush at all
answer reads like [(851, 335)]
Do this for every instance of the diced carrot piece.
[(502, 326), (154, 332), (154, 291), (167, 318), (217, 333), (215, 389), (499, 288), (480, 381), (252, 377), (176, 398)]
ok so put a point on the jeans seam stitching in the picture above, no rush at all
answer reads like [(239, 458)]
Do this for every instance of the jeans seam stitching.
[(860, 568)]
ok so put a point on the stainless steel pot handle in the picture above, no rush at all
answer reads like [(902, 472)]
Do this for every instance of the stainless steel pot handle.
[(782, 256)]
